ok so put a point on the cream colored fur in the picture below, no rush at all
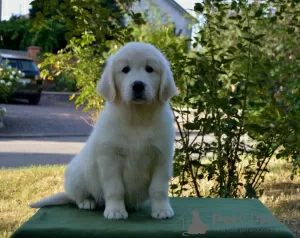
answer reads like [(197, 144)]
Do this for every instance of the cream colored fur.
[(127, 160)]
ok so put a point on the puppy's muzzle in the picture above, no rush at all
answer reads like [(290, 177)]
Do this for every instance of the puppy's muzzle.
[(138, 89)]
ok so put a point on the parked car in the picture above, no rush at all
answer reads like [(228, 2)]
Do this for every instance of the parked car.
[(32, 82)]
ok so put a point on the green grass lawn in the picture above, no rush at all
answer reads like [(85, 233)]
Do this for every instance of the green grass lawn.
[(20, 187)]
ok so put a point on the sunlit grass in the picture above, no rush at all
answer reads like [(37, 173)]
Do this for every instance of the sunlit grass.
[(20, 187)]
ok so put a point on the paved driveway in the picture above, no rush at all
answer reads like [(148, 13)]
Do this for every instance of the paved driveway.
[(52, 132), (49, 118)]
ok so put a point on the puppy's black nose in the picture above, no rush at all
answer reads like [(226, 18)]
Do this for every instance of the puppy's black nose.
[(138, 86)]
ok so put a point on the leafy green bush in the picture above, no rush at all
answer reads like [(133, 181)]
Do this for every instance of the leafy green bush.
[(17, 34), (64, 83), (85, 67), (232, 99)]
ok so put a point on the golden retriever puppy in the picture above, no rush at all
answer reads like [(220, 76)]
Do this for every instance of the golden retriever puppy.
[(127, 159)]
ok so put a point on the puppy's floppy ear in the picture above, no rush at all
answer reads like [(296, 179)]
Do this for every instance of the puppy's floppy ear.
[(168, 88), (106, 86)]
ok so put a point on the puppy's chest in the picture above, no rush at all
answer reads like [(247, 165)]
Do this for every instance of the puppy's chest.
[(135, 143), (138, 164), (138, 152), (138, 155)]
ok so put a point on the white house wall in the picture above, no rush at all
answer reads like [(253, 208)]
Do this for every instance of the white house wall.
[(176, 15)]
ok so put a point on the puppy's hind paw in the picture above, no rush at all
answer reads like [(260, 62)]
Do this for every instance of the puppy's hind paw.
[(87, 204), (115, 214), (164, 213)]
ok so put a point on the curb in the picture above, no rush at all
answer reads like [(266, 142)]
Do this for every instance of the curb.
[(59, 96), (59, 93), (20, 136)]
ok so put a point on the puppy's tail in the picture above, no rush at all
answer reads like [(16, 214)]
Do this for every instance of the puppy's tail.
[(56, 199)]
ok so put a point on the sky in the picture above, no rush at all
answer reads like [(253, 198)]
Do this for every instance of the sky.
[(15, 7), (21, 7), (188, 5)]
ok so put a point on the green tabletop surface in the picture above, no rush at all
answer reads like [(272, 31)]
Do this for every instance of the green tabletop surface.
[(197, 217)]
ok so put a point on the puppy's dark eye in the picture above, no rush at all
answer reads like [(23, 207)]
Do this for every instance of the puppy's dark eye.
[(149, 69), (126, 69)]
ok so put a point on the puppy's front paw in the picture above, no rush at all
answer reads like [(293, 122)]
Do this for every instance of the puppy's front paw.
[(162, 213), (87, 204), (115, 214)]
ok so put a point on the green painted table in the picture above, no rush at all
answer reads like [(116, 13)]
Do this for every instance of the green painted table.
[(201, 217)]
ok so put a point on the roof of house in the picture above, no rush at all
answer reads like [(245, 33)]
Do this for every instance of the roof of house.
[(181, 9)]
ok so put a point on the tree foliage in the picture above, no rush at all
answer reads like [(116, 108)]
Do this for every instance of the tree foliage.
[(17, 34), (98, 17)]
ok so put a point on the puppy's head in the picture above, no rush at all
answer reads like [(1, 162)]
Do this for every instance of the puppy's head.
[(138, 73)]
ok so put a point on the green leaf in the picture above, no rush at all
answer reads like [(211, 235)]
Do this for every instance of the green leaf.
[(234, 80), (279, 155), (236, 17), (261, 192), (292, 176), (198, 7), (223, 27), (241, 47), (184, 182), (257, 104), (250, 39), (250, 191), (174, 186), (138, 19), (258, 13), (273, 19), (176, 172), (255, 127), (256, 37), (195, 163), (192, 126), (290, 30), (234, 101), (227, 60), (231, 50), (233, 5), (257, 43)]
